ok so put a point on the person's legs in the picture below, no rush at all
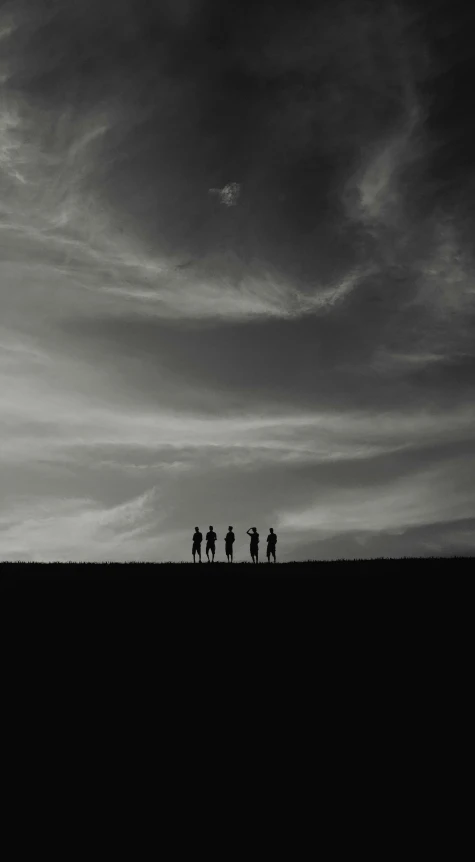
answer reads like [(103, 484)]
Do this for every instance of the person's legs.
[(213, 552)]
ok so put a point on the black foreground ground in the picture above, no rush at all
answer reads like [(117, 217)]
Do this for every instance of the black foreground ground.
[(406, 583), (312, 618), (13, 575)]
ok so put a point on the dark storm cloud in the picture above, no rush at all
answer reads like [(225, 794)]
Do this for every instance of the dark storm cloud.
[(282, 99), (300, 350)]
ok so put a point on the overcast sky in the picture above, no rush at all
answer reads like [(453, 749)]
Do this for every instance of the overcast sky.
[(236, 277)]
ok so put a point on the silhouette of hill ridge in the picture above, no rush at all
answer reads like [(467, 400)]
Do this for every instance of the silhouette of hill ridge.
[(380, 568), (181, 607)]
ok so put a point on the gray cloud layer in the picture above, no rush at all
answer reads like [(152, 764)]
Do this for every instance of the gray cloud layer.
[(236, 278)]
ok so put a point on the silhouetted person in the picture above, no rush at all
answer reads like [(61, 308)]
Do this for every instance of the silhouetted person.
[(211, 543), (197, 539), (271, 543), (228, 544), (254, 543)]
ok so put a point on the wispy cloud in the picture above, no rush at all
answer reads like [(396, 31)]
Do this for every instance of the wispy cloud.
[(379, 198), (52, 404), (422, 498), (67, 237), (80, 529)]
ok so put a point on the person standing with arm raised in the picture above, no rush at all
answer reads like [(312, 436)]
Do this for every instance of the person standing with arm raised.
[(252, 532)]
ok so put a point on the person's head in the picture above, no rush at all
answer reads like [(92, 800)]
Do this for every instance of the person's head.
[(254, 529), (271, 529), (196, 530), (229, 528), (211, 526)]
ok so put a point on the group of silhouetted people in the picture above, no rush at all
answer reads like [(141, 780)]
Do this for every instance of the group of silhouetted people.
[(211, 539)]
